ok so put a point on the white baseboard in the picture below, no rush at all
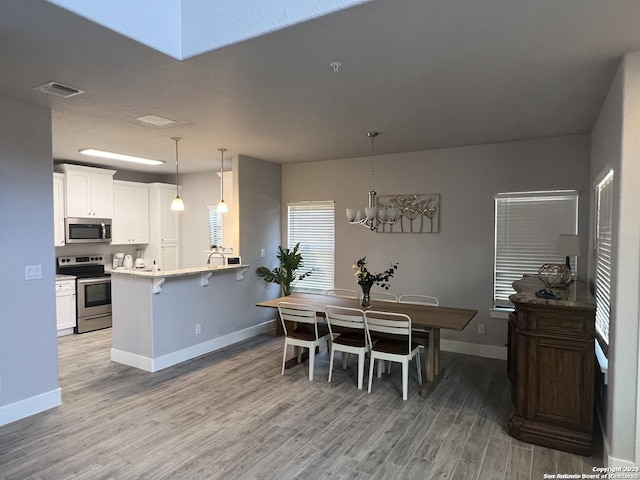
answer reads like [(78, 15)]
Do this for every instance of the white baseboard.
[(476, 349), (164, 361), (30, 406)]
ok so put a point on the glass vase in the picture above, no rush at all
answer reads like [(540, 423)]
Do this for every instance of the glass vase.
[(366, 294)]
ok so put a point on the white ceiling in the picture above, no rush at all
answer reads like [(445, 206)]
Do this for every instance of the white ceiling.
[(427, 74)]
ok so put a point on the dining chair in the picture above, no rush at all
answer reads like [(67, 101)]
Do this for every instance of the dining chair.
[(348, 335), (384, 297), (392, 332), (307, 332), (418, 299), (342, 292)]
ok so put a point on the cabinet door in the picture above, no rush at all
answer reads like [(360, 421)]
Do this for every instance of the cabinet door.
[(65, 309), (169, 256), (58, 210), (78, 194), (130, 213), (169, 220), (101, 196)]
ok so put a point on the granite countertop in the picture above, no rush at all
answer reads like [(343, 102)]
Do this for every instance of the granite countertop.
[(575, 295), (147, 273), (65, 277)]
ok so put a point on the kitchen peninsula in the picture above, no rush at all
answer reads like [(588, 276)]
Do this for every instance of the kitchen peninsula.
[(166, 317)]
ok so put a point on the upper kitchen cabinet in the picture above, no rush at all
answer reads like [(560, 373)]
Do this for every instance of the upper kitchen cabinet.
[(88, 191), (130, 213), (58, 209)]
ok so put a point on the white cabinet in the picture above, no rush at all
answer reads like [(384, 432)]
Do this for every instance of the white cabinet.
[(58, 209), (164, 228), (65, 306), (130, 213), (88, 191)]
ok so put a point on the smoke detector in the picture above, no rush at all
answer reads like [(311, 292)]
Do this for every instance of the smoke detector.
[(58, 89)]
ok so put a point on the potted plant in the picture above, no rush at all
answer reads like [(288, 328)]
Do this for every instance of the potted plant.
[(286, 275)]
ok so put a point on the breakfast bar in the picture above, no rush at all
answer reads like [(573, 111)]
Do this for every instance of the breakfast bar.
[(161, 318)]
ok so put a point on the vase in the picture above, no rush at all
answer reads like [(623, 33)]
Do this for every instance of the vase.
[(366, 298)]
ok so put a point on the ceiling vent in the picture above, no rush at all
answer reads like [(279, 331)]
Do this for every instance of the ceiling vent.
[(58, 90)]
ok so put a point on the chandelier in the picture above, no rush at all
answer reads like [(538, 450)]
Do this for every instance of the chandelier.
[(371, 216)]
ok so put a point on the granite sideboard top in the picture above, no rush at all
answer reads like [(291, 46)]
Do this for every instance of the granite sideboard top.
[(575, 295)]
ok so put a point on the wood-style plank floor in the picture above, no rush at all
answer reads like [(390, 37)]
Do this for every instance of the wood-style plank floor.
[(231, 415)]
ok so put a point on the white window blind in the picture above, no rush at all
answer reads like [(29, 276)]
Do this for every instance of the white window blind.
[(312, 225), (215, 226), (604, 206), (527, 225)]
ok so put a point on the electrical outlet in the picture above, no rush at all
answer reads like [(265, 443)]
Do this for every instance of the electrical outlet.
[(262, 253), (481, 329), (198, 329)]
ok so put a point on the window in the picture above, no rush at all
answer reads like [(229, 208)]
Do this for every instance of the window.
[(215, 226), (527, 228), (603, 243), (312, 225)]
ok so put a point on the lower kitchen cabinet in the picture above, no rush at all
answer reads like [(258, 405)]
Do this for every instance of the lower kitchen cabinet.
[(551, 365), (65, 306)]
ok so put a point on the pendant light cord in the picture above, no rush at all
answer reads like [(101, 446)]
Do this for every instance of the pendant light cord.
[(372, 135)]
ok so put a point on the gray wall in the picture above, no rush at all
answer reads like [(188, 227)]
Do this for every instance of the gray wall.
[(257, 194), (616, 144), (28, 349), (455, 265)]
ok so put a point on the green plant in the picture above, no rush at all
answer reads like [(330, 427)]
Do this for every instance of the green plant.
[(286, 275)]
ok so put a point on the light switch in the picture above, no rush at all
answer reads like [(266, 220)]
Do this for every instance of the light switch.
[(33, 272)]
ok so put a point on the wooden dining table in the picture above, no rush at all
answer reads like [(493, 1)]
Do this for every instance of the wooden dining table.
[(428, 318)]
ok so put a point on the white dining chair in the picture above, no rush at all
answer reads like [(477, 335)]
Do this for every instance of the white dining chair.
[(393, 344), (348, 335), (418, 299), (384, 297), (342, 292), (307, 332)]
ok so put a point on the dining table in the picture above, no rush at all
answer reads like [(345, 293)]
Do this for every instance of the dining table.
[(424, 318)]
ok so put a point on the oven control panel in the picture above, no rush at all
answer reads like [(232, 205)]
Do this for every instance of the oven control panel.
[(81, 260)]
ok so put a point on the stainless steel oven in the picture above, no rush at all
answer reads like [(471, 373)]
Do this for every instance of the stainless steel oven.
[(93, 290), (94, 303)]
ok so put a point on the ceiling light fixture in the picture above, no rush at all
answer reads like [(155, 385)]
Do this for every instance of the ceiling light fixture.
[(92, 152), (177, 205), (371, 216), (222, 206), (156, 120)]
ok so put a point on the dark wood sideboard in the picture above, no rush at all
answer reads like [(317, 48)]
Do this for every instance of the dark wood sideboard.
[(551, 366)]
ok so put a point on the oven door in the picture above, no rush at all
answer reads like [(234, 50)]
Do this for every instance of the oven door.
[(94, 296)]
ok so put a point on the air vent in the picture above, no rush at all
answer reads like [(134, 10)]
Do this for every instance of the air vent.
[(58, 90)]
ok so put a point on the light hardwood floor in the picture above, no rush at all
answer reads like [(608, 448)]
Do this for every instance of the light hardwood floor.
[(231, 415)]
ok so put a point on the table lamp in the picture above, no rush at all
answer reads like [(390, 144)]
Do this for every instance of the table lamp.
[(568, 245)]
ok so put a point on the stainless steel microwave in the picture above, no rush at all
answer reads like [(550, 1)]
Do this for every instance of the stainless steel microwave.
[(87, 230)]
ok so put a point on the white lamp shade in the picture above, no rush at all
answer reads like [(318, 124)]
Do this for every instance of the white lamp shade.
[(351, 214), (359, 215), (222, 207), (371, 212), (392, 213), (382, 214), (177, 205), (568, 245)]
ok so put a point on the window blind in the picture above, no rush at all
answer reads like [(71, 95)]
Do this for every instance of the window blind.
[(312, 225), (215, 226), (527, 225), (604, 207)]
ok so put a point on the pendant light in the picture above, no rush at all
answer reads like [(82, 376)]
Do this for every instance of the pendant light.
[(222, 206), (177, 205)]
